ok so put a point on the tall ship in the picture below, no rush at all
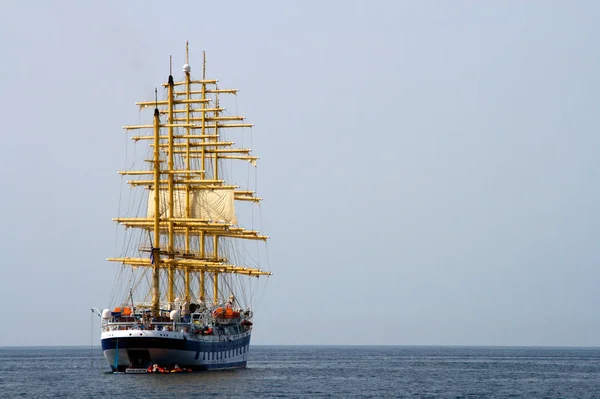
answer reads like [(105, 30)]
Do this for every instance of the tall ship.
[(183, 298)]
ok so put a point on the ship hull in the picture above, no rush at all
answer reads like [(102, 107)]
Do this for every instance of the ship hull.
[(140, 349)]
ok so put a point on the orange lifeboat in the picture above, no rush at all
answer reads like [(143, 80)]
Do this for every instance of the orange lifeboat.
[(225, 313), (124, 311)]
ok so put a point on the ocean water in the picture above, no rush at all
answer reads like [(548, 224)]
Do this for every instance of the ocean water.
[(316, 372)]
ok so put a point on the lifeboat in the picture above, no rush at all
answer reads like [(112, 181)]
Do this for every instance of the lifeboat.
[(226, 316), (125, 311)]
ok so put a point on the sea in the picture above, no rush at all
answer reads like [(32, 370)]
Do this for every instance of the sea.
[(316, 372)]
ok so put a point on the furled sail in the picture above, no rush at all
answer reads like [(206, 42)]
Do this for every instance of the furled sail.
[(216, 205)]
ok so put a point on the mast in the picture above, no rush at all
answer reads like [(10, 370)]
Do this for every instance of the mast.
[(216, 276), (170, 166), (203, 173), (156, 244), (186, 70)]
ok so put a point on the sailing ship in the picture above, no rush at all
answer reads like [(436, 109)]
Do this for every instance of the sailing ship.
[(185, 297)]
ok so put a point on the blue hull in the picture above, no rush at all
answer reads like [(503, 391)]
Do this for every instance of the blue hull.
[(196, 354)]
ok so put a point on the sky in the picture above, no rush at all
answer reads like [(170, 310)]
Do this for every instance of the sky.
[(429, 169)]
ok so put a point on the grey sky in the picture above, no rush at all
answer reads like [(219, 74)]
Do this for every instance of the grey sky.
[(430, 169)]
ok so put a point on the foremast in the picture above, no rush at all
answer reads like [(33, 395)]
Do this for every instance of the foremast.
[(188, 200), (155, 245)]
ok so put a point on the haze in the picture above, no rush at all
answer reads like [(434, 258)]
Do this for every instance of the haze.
[(430, 169)]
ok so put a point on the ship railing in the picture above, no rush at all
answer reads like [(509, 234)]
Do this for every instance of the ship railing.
[(184, 327), (151, 326)]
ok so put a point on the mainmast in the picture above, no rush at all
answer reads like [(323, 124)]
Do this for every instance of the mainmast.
[(188, 96), (171, 167), (185, 201)]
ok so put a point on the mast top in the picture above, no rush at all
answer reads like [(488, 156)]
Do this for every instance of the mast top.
[(186, 67)]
